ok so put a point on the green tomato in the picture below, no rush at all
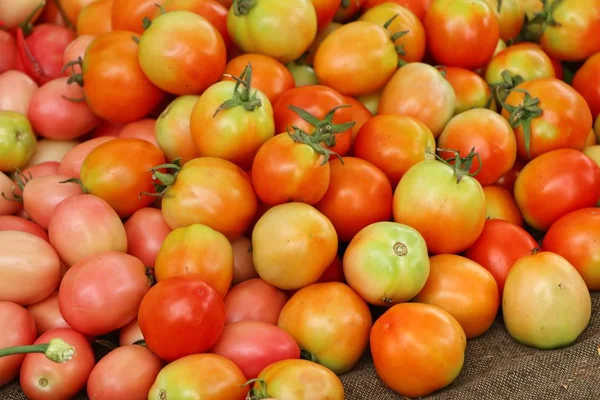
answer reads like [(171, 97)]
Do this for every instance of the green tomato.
[(304, 75), (17, 140), (371, 101)]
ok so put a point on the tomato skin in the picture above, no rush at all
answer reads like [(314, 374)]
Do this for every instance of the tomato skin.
[(420, 91), (430, 342), (357, 188), (173, 130), (471, 90), (500, 204), (461, 33), (196, 249), (526, 60), (71, 163), (330, 321), (15, 223), (21, 333), (16, 89), (143, 129), (359, 48), (115, 86), (325, 10), (158, 322), (360, 115), (587, 82), (46, 314), (282, 30), (95, 18), (128, 15), (41, 378), (18, 144), (417, 7), (243, 266), (229, 204), (130, 333), (554, 184), (146, 230), (386, 263), (574, 236), (254, 300), (511, 15), (547, 289), (597, 127)]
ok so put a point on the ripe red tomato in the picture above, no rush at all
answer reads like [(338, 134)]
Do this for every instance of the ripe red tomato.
[(500, 204), (19, 330), (169, 327), (254, 300), (587, 82)]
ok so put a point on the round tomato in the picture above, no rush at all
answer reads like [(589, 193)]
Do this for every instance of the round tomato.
[(419, 335), (254, 300), (173, 130), (169, 327), (587, 82), (386, 263), (500, 204), (550, 292), (471, 90), (554, 184), (511, 15)]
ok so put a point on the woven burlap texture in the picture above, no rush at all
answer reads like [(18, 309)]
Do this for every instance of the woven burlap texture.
[(496, 368)]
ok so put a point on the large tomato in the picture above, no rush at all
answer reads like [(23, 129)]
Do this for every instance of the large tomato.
[(471, 90), (587, 82), (329, 321), (115, 86), (292, 245), (554, 184), (171, 330), (420, 91), (386, 263), (500, 204), (546, 303), (428, 340), (128, 15), (254, 300), (280, 29), (442, 202), (19, 330)]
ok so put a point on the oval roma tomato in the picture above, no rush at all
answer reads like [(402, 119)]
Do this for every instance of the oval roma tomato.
[(357, 188), (471, 90), (357, 49), (386, 263), (329, 321), (115, 86), (420, 91), (555, 184), (587, 82), (511, 15), (200, 376), (461, 33), (489, 134), (297, 380), (118, 171), (445, 205), (200, 250), (500, 204), (576, 237), (417, 7), (128, 15), (212, 192), (170, 328), (549, 290), (197, 42), (231, 121), (428, 340), (290, 29)]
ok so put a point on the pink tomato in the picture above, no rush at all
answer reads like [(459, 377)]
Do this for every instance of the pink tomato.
[(45, 168), (46, 314), (254, 300), (16, 90), (15, 223), (130, 333), (146, 231), (74, 51), (8, 49), (70, 164), (18, 330), (142, 129), (7, 206)]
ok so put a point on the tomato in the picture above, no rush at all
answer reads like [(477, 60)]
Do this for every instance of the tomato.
[(243, 265), (232, 122), (29, 266), (51, 151), (254, 300), (587, 82), (297, 380), (547, 289), (597, 127), (357, 188), (325, 113), (173, 130), (500, 204), (14, 14), (591, 139), (17, 140), (254, 345), (490, 135), (329, 321), (119, 170), (292, 245), (291, 27), (74, 51), (95, 19), (461, 33), (304, 75), (308, 58), (428, 340), (142, 129), (114, 378), (360, 114), (511, 15), (46, 314), (417, 7), (14, 223), (507, 181), (16, 91), (200, 376), (7, 205), (333, 273), (72, 8), (146, 230), (554, 184), (128, 15), (562, 118), (359, 48), (420, 91), (166, 309), (212, 192), (411, 41), (446, 206), (348, 9), (107, 129), (130, 333), (325, 10), (71, 162), (269, 76), (200, 250), (471, 90), (88, 221), (572, 34), (115, 86), (9, 49), (19, 330), (386, 263)]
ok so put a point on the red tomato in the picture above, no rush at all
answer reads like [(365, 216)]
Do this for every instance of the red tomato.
[(587, 82), (554, 184), (500, 204), (243, 265), (348, 9), (14, 223), (144, 129), (114, 378), (333, 273), (146, 231), (128, 15), (418, 7), (254, 345), (19, 330), (170, 329), (46, 314), (507, 181), (106, 128), (326, 10), (254, 300), (8, 46), (360, 114)]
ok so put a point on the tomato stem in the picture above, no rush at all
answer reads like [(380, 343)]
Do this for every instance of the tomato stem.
[(307, 355), (162, 181), (257, 393), (161, 8), (56, 350), (325, 129), (242, 7), (146, 22), (26, 26), (77, 181), (244, 98), (461, 165), (389, 21), (509, 82), (298, 135), (20, 180)]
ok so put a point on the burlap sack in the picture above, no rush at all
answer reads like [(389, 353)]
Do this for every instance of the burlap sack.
[(496, 368)]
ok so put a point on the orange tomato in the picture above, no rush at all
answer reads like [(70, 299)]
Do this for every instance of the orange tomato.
[(511, 15), (95, 18), (587, 82), (471, 90), (417, 7), (128, 15), (500, 204), (72, 8), (360, 114)]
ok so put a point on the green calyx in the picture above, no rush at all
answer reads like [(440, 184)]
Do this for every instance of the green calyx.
[(534, 27), (27, 26), (242, 7), (460, 165), (242, 93), (508, 83), (259, 392), (299, 136), (162, 181), (395, 36), (75, 77), (325, 129), (20, 180)]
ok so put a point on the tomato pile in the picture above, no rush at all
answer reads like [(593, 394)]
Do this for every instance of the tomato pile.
[(239, 199)]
